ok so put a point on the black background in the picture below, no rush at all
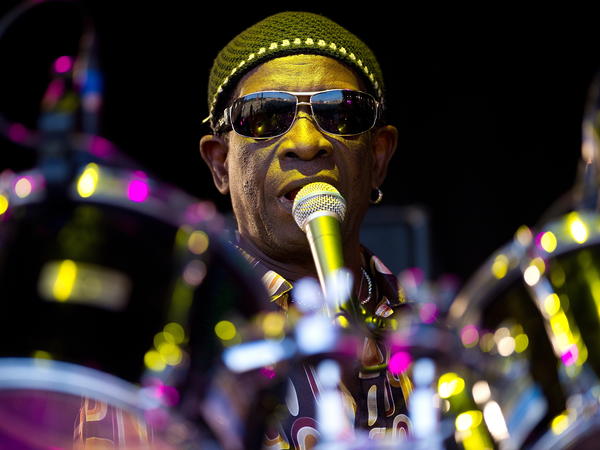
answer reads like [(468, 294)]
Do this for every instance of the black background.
[(488, 103)]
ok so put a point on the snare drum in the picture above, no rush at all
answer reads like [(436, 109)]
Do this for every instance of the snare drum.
[(111, 287)]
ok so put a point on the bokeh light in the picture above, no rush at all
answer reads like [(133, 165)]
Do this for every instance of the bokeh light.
[(560, 423), (3, 204), (23, 187), (500, 266), (154, 361), (577, 228), (194, 272), (450, 384), (399, 363), (138, 191), (428, 312), (468, 420), (198, 242), (225, 330), (521, 342), (88, 181), (65, 280), (273, 325), (548, 241), (63, 64), (481, 392), (17, 132), (176, 331), (469, 336)]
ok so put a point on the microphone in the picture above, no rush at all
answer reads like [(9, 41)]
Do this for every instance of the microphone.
[(318, 210)]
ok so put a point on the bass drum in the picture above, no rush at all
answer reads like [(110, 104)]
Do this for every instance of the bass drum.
[(112, 285), (533, 307)]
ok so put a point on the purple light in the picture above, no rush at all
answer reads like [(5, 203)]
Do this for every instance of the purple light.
[(17, 132), (469, 335), (63, 64), (570, 356), (168, 394), (538, 239), (157, 418), (138, 191), (267, 372), (428, 312), (100, 147), (399, 363)]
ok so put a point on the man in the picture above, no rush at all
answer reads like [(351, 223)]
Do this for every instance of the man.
[(268, 142)]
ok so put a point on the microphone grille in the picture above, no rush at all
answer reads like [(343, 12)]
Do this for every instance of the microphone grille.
[(317, 197)]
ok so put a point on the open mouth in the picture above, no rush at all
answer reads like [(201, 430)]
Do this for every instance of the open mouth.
[(292, 194)]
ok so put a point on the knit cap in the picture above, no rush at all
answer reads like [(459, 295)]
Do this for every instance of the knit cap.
[(283, 34)]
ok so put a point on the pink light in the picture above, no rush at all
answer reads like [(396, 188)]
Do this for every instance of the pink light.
[(138, 191), (17, 132), (428, 312), (469, 335), (157, 418), (267, 372), (202, 211), (63, 64), (168, 394), (570, 356), (399, 363)]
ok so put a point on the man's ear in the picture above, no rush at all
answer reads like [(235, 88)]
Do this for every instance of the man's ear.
[(213, 150), (385, 139)]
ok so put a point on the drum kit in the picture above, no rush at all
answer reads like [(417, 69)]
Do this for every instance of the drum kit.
[(128, 320)]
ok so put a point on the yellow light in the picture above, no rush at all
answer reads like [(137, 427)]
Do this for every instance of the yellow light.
[(342, 321), (65, 280), (521, 343), (273, 324), (557, 276), (468, 420), (500, 267), (198, 242), (549, 241), (225, 330), (3, 204), (171, 353), (577, 228), (176, 331), (532, 275), (552, 304), (487, 342), (88, 181), (450, 384), (560, 423), (41, 354), (523, 235), (506, 346), (154, 361)]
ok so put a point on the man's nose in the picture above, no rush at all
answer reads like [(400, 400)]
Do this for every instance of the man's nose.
[(305, 140)]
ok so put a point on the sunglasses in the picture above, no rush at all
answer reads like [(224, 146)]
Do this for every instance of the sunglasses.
[(269, 114)]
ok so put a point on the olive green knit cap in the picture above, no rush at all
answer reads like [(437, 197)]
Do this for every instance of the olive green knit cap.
[(283, 34)]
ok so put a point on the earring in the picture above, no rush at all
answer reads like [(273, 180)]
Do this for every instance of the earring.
[(379, 196)]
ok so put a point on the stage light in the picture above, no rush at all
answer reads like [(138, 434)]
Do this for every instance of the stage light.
[(469, 336), (506, 346), (468, 420), (481, 392), (154, 361), (63, 64), (176, 331), (552, 304), (495, 421), (273, 325)]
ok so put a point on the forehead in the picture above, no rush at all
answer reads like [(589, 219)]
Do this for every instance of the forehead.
[(299, 73)]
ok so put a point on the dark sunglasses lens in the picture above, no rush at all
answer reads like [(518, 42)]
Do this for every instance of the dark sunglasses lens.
[(344, 112), (263, 115)]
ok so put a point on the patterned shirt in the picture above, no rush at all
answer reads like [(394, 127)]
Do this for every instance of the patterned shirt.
[(375, 398)]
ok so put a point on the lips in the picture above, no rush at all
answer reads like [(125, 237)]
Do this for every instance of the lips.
[(289, 191)]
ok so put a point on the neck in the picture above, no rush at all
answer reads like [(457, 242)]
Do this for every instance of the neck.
[(293, 271)]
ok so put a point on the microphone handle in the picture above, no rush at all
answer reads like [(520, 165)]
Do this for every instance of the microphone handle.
[(324, 236)]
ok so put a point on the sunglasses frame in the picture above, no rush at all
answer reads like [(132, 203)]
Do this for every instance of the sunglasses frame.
[(225, 123)]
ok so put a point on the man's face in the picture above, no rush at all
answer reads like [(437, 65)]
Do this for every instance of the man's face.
[(264, 175)]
